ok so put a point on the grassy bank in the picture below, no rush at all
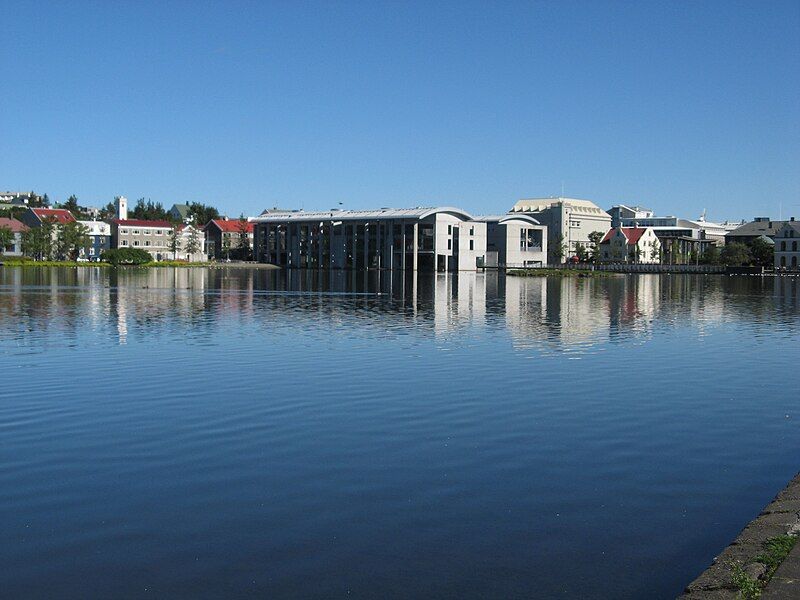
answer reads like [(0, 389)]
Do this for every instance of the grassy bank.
[(544, 272), (26, 262)]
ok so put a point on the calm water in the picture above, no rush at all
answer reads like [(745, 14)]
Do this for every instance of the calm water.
[(211, 433)]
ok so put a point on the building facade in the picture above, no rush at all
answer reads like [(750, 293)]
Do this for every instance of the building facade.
[(224, 238), (515, 241), (759, 226), (439, 238), (99, 239), (621, 211), (34, 217), (569, 222), (639, 245), (17, 228), (787, 245)]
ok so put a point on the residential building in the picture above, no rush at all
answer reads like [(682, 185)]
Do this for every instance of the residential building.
[(569, 222), (99, 238), (621, 211), (152, 236), (21, 198), (630, 245), (34, 217), (180, 212), (185, 235), (759, 226), (17, 228), (787, 245), (224, 238), (517, 241), (437, 238)]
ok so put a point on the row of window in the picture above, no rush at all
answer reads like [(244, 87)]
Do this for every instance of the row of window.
[(145, 231), (783, 246), (136, 243)]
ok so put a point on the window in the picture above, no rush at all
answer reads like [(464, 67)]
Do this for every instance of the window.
[(147, 243), (125, 231), (158, 232), (472, 244), (472, 231), (449, 244), (124, 242), (783, 246), (794, 246), (135, 232), (449, 230), (135, 242)]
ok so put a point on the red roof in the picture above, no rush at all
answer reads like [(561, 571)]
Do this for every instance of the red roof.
[(632, 233), (62, 215), (13, 225), (229, 226), (142, 223)]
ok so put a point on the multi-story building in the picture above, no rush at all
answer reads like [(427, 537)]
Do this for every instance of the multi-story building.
[(99, 238), (515, 241), (224, 238), (17, 229), (630, 245), (569, 222), (621, 211), (748, 232), (440, 238), (787, 245)]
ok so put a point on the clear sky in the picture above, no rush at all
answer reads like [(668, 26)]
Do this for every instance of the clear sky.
[(676, 105)]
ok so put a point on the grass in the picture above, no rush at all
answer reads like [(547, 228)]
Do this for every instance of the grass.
[(546, 272), (776, 550), (16, 261)]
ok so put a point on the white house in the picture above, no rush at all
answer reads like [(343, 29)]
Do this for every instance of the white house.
[(630, 245)]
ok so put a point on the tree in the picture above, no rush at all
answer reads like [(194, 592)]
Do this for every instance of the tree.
[(72, 204), (126, 256), (763, 252), (244, 237), (108, 212), (711, 256), (594, 245), (150, 211), (174, 242), (202, 214), (557, 248), (6, 238), (581, 252), (37, 242), (226, 245), (736, 254), (71, 238), (193, 243), (655, 251)]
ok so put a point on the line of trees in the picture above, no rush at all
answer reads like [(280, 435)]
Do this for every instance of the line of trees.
[(55, 241)]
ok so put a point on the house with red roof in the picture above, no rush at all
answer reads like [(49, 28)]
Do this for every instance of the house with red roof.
[(229, 238), (17, 229), (34, 217), (630, 245)]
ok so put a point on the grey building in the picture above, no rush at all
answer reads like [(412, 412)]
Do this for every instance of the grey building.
[(516, 241), (567, 219), (787, 245), (437, 238), (620, 212), (759, 226)]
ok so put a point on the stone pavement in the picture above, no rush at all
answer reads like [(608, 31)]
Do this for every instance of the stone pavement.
[(781, 516)]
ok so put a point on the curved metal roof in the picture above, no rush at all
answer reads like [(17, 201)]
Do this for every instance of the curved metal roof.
[(361, 215)]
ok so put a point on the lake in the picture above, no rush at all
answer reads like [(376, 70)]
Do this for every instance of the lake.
[(213, 433)]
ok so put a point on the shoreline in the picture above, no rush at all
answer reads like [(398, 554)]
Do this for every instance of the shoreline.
[(751, 563)]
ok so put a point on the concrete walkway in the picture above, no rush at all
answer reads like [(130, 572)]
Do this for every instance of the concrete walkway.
[(785, 583)]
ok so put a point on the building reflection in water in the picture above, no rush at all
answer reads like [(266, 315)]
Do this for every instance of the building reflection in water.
[(564, 313)]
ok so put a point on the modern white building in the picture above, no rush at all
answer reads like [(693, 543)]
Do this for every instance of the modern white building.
[(515, 241), (432, 238), (569, 221), (787, 245)]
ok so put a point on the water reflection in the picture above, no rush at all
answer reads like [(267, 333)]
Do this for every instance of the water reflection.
[(560, 313)]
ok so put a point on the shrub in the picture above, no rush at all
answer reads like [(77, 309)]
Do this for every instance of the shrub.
[(126, 256)]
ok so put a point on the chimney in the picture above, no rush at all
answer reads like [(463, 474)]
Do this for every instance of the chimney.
[(122, 207)]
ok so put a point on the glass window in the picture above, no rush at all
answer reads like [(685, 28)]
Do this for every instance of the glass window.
[(124, 242), (449, 230), (449, 244), (123, 231), (472, 244), (135, 242), (147, 243), (135, 232)]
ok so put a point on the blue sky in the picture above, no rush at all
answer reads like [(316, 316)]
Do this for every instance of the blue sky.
[(675, 105)]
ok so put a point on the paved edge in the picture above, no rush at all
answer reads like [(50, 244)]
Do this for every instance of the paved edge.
[(781, 516)]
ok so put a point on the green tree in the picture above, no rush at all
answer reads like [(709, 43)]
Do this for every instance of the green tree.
[(71, 238), (6, 238), (174, 242), (763, 252), (226, 245), (736, 254), (244, 238), (72, 205), (126, 256), (581, 252), (594, 245), (109, 211), (150, 211), (711, 256), (193, 243), (202, 214), (557, 248), (655, 251), (37, 242)]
